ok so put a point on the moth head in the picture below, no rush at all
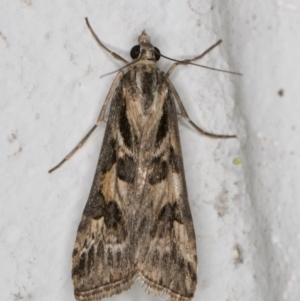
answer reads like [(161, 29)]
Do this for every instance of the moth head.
[(145, 50)]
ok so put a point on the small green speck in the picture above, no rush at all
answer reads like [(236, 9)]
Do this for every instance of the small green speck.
[(237, 161)]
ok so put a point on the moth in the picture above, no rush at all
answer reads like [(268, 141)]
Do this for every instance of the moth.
[(137, 222)]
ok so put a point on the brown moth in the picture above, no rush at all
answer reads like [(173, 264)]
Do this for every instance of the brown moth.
[(137, 222)]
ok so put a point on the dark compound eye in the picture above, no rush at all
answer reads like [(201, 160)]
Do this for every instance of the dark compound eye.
[(135, 51), (157, 53)]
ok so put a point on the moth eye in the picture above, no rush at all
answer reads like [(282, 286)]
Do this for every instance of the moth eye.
[(157, 53), (135, 51)]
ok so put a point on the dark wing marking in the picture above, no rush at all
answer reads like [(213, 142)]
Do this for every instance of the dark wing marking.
[(167, 260), (102, 257), (137, 220)]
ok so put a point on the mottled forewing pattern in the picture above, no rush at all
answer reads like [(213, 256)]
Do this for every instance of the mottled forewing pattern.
[(102, 257), (137, 222), (167, 258)]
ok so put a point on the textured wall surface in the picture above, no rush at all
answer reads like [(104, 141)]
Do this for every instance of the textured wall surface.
[(246, 216)]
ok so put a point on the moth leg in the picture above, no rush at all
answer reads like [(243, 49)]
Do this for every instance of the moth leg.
[(179, 116), (113, 54), (99, 120), (185, 62), (185, 115)]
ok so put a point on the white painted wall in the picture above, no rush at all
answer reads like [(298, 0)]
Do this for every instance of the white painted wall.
[(246, 217)]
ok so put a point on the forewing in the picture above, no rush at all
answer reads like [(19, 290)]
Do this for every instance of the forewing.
[(167, 260), (102, 259)]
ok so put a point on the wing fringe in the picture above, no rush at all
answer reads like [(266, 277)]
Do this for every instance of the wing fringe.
[(159, 290), (106, 290)]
